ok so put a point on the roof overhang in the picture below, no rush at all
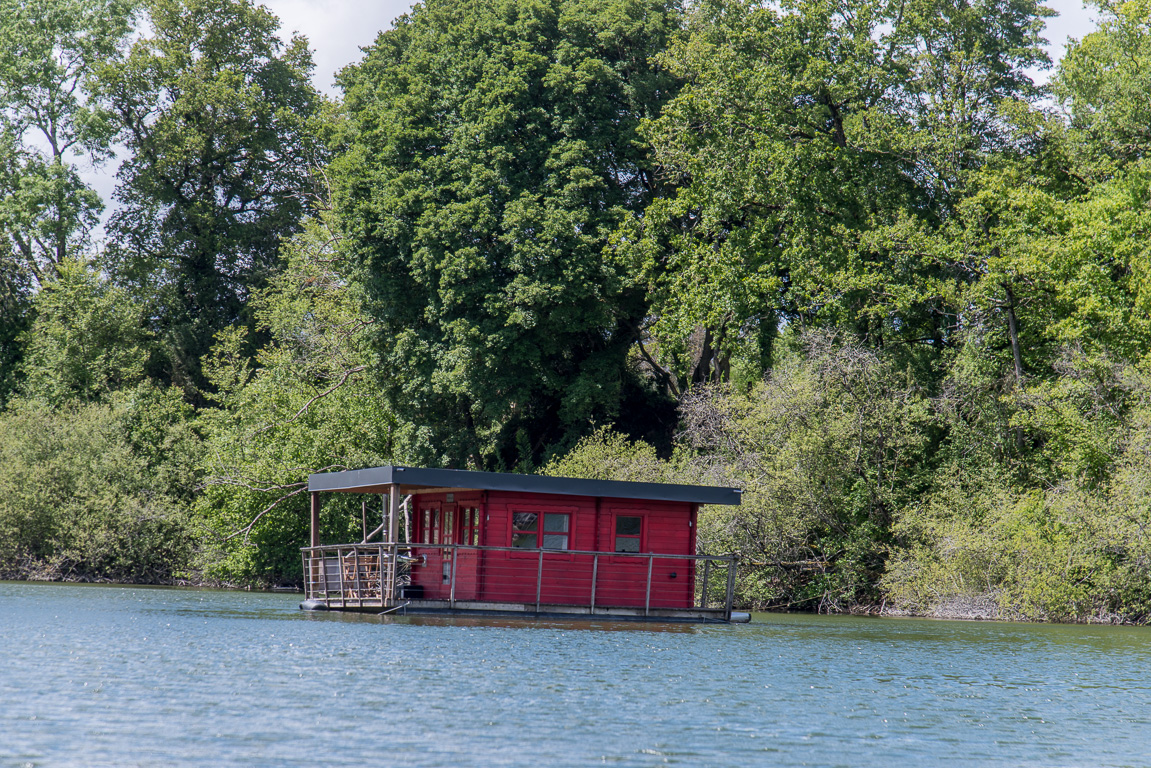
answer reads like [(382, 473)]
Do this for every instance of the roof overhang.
[(420, 480)]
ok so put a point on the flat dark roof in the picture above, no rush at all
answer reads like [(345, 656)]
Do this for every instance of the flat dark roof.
[(420, 480)]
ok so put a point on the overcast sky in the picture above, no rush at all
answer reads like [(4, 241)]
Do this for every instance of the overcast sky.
[(338, 29)]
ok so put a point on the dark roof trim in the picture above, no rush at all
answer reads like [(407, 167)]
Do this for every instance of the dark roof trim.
[(429, 480)]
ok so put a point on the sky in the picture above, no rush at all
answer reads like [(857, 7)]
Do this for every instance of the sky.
[(338, 29)]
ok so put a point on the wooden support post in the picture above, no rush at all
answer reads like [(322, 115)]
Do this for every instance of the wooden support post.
[(392, 532), (393, 514), (314, 568), (706, 578), (315, 519)]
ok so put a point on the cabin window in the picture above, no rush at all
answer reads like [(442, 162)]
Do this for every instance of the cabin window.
[(527, 533), (470, 526), (556, 531), (627, 533), (430, 526), (525, 527)]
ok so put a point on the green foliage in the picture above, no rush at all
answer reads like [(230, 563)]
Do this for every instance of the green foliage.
[(214, 112), (86, 341), (827, 450), (609, 455), (818, 147), (80, 501), (489, 152)]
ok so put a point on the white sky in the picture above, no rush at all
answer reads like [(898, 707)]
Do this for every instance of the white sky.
[(338, 29)]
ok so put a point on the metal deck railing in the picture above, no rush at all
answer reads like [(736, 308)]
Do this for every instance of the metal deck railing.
[(455, 576)]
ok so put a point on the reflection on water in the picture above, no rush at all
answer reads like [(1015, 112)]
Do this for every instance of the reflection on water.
[(112, 676)]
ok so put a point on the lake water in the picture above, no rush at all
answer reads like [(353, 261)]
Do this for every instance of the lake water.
[(112, 676)]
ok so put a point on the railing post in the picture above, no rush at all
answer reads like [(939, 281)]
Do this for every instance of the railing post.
[(324, 573), (359, 580), (706, 577), (594, 573), (730, 587), (452, 592), (307, 575), (647, 598), (340, 569), (387, 581), (539, 579)]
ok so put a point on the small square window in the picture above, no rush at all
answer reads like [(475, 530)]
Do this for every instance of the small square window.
[(628, 530)]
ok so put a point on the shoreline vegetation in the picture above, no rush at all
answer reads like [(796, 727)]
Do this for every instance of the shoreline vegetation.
[(848, 257)]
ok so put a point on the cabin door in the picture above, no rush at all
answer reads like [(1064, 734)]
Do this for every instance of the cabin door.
[(468, 560), (428, 572)]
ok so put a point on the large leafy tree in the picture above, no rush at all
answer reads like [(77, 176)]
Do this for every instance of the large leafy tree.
[(48, 52), (491, 148), (818, 146), (214, 110)]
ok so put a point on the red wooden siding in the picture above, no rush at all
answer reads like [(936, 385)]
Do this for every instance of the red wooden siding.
[(667, 528)]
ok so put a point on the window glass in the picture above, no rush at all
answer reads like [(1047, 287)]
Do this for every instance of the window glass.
[(555, 523), (524, 525), (469, 532), (627, 544), (555, 541), (627, 533), (627, 526)]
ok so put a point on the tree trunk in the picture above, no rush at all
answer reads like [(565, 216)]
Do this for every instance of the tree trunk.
[(1013, 333)]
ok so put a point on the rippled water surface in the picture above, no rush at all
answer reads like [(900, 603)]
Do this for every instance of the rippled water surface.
[(111, 676)]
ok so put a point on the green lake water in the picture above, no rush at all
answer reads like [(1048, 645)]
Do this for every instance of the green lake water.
[(113, 676)]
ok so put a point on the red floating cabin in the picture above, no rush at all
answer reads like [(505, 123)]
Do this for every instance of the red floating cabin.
[(457, 541)]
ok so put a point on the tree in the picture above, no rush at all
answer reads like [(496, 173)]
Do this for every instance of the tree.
[(490, 150), (86, 342), (48, 52), (817, 147), (214, 111)]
